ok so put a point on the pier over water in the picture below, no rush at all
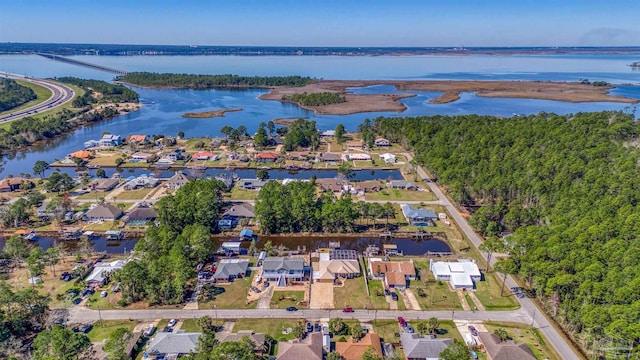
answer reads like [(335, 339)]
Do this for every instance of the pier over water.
[(81, 63)]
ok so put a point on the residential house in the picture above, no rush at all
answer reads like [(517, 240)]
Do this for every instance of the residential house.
[(402, 185), (418, 217), (251, 184), (266, 157), (109, 140), (328, 133), (178, 180), (15, 184), (230, 248), (205, 155), (283, 270), (230, 269), (83, 155), (141, 157), (103, 184), (142, 181), (103, 212), (140, 215), (91, 143), (417, 347), (329, 157), (299, 155), (381, 142), (309, 348), (357, 157), (226, 179), (101, 272), (507, 350), (256, 338), (388, 158), (461, 274), (362, 187), (336, 264), (139, 139), (238, 212), (353, 350), (394, 274), (331, 184), (355, 145), (168, 345)]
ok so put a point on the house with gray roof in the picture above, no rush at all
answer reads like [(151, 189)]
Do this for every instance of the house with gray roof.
[(140, 215), (103, 212), (178, 180), (256, 338), (507, 350), (402, 185), (172, 345), (283, 270), (309, 348), (418, 217), (251, 184), (417, 347), (230, 269), (238, 211)]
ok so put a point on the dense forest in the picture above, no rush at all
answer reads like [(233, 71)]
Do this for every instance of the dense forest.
[(192, 81), (13, 94), (171, 251), (315, 99), (565, 189), (100, 91), (302, 133)]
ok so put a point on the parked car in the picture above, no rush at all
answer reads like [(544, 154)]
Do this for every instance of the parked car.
[(172, 322), (347, 310), (317, 327), (401, 321), (265, 284), (473, 330), (292, 308), (255, 289), (409, 329), (85, 328), (387, 292), (149, 330), (103, 294), (394, 296), (309, 327), (167, 329), (87, 292)]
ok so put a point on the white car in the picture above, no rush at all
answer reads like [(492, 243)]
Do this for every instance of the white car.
[(172, 322)]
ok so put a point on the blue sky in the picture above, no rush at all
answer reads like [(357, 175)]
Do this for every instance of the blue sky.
[(325, 23)]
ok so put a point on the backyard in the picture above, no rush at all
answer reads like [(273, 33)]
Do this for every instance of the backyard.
[(400, 195)]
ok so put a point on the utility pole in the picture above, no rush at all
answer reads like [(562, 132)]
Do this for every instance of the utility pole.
[(533, 318)]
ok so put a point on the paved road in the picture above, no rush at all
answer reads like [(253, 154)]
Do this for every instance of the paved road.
[(60, 95), (565, 350)]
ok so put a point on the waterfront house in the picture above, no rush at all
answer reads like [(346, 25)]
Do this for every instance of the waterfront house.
[(142, 181), (418, 347), (355, 145), (336, 264), (239, 211), (381, 142), (256, 338), (15, 184), (331, 184), (205, 155), (329, 157), (230, 269), (103, 184), (109, 140), (309, 348), (388, 158), (251, 184), (507, 350), (103, 212), (357, 157), (230, 248), (362, 187), (418, 217), (83, 155), (266, 157), (168, 345), (394, 274), (354, 350), (328, 133), (141, 157), (283, 270), (402, 185), (178, 180), (139, 139), (91, 143), (140, 215), (461, 274), (101, 271)]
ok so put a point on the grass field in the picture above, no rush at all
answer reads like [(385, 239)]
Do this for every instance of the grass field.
[(345, 296), (102, 329), (379, 302), (401, 195), (292, 299), (42, 94), (488, 292), (524, 334), (137, 194), (240, 194), (271, 327), (190, 325), (233, 297)]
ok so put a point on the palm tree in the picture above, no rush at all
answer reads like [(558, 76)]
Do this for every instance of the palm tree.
[(501, 334), (433, 325), (506, 267), (422, 328)]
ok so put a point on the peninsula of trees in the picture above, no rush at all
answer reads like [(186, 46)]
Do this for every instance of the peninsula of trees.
[(315, 99), (565, 190), (100, 91), (13, 94), (192, 81)]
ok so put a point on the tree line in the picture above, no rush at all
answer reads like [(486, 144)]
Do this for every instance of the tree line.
[(563, 188), (193, 81), (315, 99), (100, 91), (13, 94)]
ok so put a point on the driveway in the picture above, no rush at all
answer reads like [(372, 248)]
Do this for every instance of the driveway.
[(321, 296), (264, 301), (410, 301)]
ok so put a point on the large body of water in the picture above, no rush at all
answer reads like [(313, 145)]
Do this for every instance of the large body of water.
[(162, 109)]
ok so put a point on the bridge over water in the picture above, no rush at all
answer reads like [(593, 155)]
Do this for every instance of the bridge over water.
[(81, 63)]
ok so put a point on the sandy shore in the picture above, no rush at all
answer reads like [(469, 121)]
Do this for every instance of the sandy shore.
[(210, 114), (357, 103)]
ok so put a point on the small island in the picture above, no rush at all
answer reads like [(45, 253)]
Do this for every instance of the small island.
[(635, 65), (210, 114)]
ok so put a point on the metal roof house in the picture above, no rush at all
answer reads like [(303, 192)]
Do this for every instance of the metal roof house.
[(171, 345), (417, 347), (230, 269), (461, 274), (103, 212), (418, 217), (101, 271), (402, 185), (230, 248), (283, 270)]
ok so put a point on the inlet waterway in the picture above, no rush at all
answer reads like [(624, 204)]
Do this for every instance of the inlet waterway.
[(163, 109)]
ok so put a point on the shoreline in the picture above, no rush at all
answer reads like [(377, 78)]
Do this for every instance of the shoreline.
[(210, 114)]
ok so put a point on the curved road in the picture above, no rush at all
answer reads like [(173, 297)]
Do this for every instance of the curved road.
[(60, 95)]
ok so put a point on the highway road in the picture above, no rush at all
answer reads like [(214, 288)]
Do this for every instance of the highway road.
[(565, 350), (60, 95)]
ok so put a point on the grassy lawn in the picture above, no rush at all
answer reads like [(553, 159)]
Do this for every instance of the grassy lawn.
[(439, 296), (446, 328), (353, 294), (102, 329), (488, 292), (400, 195), (79, 92), (271, 327), (93, 195), (107, 225), (190, 325), (387, 330), (240, 194), (378, 301), (42, 94), (289, 298), (526, 335), (401, 305), (104, 303), (233, 297), (137, 194)]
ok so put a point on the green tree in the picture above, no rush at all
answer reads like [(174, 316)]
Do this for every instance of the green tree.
[(180, 134), (457, 350), (262, 174), (370, 354), (501, 334), (506, 267), (298, 331), (226, 130), (101, 173), (52, 257), (338, 326), (271, 127), (334, 356), (116, 345), (357, 332), (35, 262), (205, 322), (261, 139), (17, 213), (422, 328), (433, 325), (238, 350), (339, 134), (39, 168), (59, 182), (489, 246), (17, 248), (59, 343)]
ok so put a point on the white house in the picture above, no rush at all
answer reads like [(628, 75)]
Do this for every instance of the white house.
[(382, 142), (357, 156), (388, 158), (461, 274), (101, 271)]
